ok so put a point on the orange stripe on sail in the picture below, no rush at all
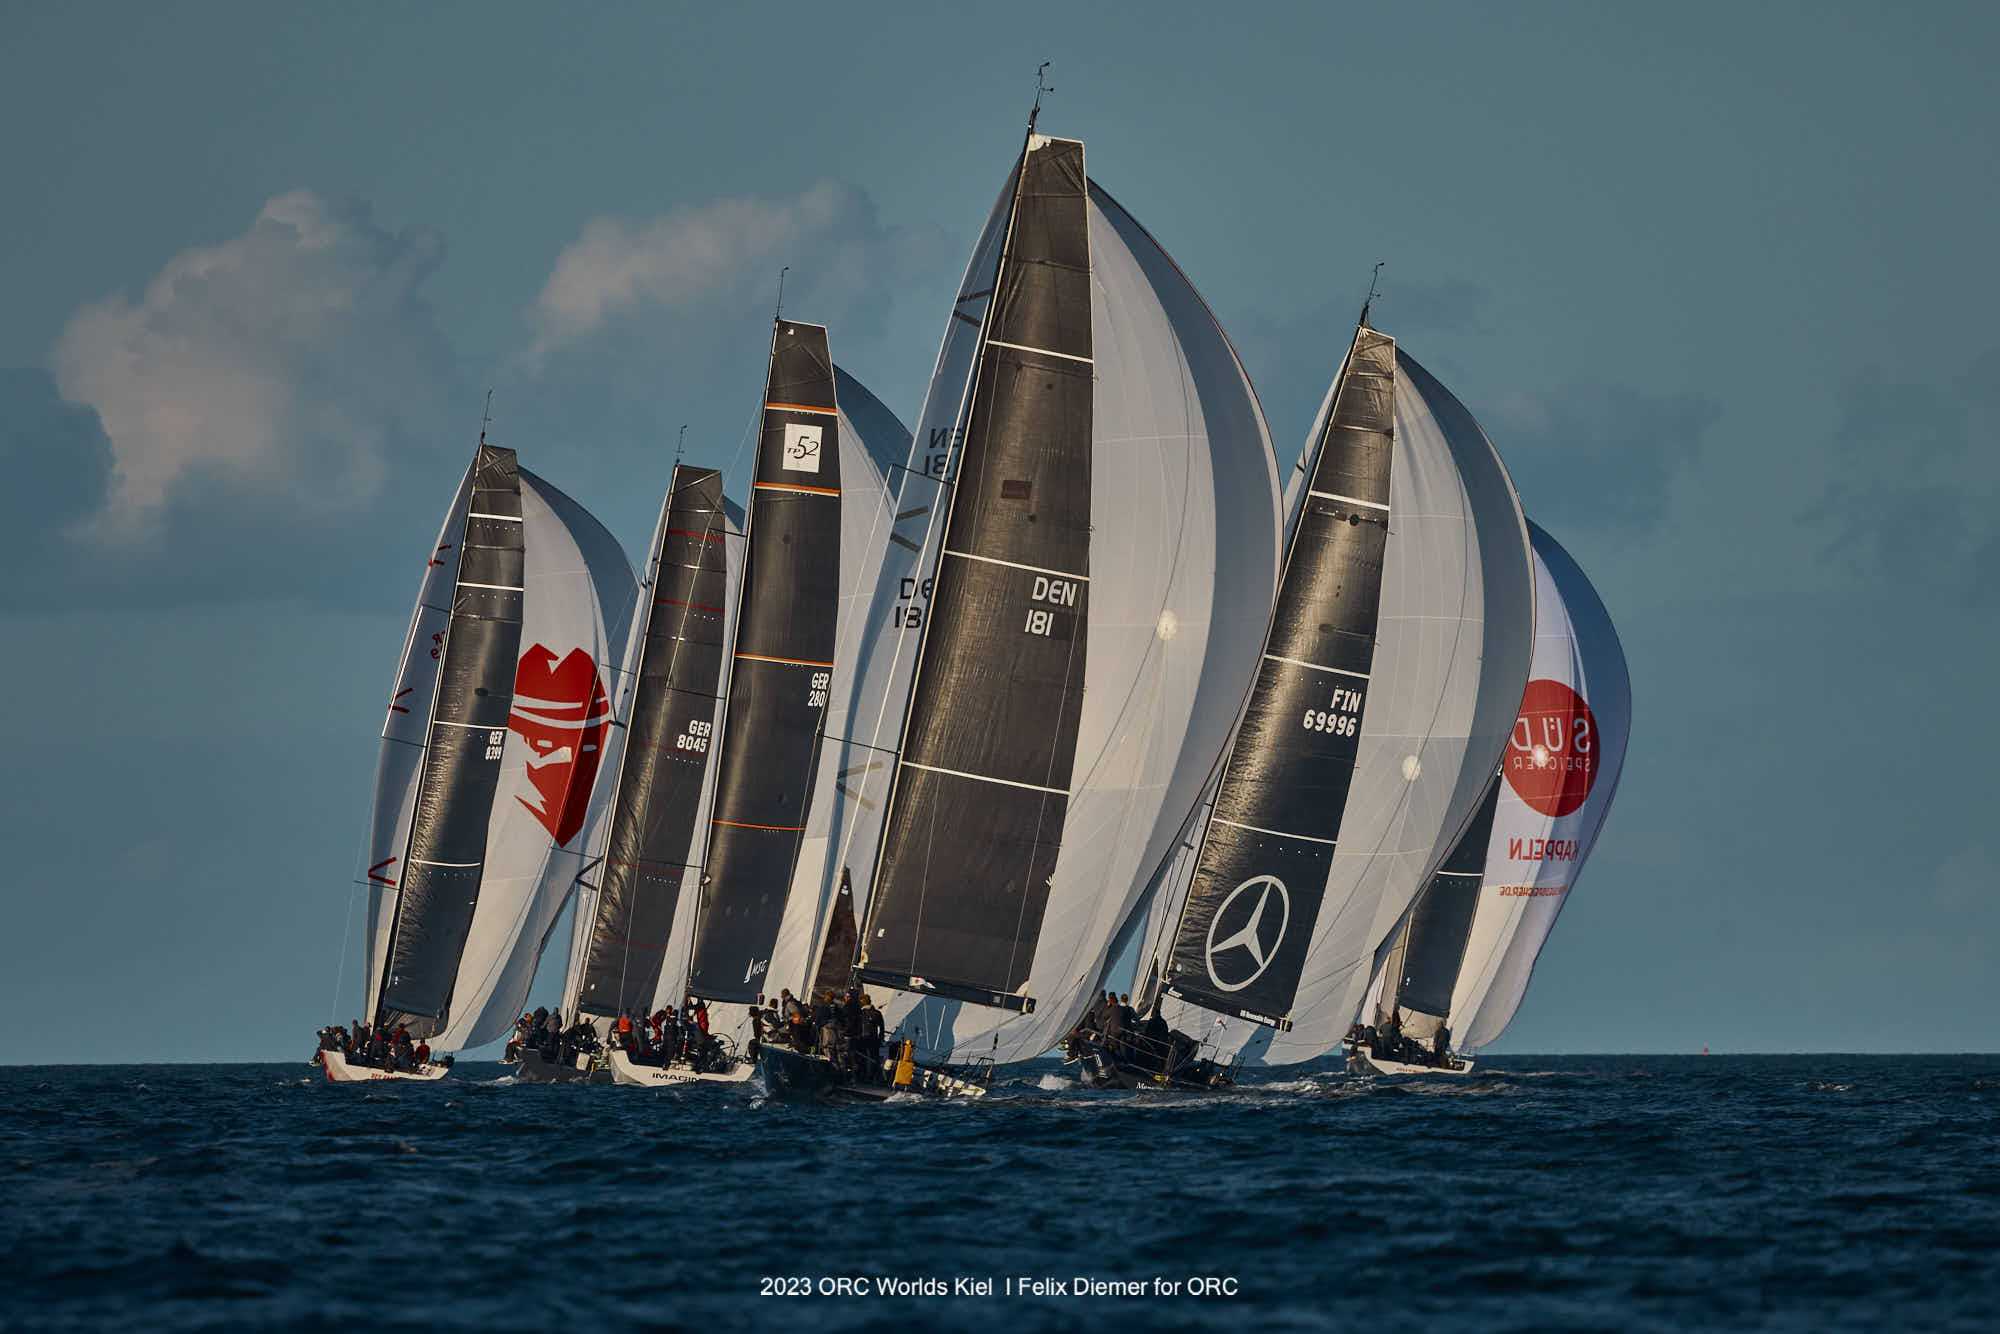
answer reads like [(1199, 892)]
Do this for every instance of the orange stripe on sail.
[(794, 486), (775, 828), (801, 407), (789, 662)]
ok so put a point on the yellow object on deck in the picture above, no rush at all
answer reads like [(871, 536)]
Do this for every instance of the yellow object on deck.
[(906, 1064)]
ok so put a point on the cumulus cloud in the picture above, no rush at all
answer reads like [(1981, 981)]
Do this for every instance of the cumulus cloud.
[(291, 362), (724, 248)]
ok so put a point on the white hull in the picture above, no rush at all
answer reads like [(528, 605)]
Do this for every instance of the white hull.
[(1364, 1063), (338, 1071), (625, 1071)]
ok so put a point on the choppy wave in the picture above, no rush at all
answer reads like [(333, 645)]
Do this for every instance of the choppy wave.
[(1760, 1192)]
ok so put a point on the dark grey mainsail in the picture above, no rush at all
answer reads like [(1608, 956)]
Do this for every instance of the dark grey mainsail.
[(443, 864), (668, 745), (982, 782), (780, 672), (1261, 874), (1424, 961)]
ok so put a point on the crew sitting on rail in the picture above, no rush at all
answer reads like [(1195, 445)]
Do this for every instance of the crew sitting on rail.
[(375, 1045)]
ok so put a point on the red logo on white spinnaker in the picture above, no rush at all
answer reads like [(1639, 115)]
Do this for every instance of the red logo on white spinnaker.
[(1551, 759), (561, 711)]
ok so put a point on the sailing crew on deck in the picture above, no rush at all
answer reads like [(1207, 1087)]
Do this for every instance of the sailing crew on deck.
[(1112, 1027), (873, 1030), (1159, 1036)]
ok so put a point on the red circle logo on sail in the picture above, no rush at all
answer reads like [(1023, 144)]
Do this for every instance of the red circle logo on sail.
[(1551, 759), (561, 711)]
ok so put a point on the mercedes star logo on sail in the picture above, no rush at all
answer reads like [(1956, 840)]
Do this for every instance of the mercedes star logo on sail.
[(1255, 937)]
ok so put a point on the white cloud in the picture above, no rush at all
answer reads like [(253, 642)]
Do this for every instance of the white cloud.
[(290, 361), (829, 234)]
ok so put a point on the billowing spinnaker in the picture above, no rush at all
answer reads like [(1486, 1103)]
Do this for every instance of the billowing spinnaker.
[(876, 592), (1184, 550), (780, 672), (403, 733), (629, 896), (1559, 773)]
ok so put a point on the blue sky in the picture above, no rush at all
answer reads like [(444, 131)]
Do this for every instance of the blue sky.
[(1717, 280)]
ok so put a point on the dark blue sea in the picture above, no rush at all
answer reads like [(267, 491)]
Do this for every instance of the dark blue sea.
[(1617, 1193)]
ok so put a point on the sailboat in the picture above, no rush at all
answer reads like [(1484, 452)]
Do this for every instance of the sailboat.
[(1390, 668), (483, 797), (629, 892), (1099, 538), (1462, 960)]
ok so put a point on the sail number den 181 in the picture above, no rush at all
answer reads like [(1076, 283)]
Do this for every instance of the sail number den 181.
[(1342, 716), (1055, 592)]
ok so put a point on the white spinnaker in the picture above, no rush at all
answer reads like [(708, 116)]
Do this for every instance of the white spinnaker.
[(872, 442), (576, 616), (1184, 560), (1535, 855), (1452, 647), (404, 734)]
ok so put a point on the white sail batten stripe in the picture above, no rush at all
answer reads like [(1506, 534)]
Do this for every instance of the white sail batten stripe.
[(1301, 662), (504, 518), (985, 778), (1040, 351), (1275, 833), (498, 588), (1016, 565), (1351, 500), (1470, 873), (461, 865), (473, 727)]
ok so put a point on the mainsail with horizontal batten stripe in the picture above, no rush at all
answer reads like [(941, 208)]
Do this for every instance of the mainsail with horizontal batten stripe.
[(629, 896), (1095, 513), (780, 672)]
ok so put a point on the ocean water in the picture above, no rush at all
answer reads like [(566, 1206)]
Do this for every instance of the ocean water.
[(1675, 1193)]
